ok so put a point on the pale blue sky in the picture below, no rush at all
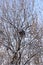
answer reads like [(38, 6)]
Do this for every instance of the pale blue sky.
[(38, 8)]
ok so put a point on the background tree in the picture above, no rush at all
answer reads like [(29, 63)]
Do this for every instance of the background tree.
[(22, 42)]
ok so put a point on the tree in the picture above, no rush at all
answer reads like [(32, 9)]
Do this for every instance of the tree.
[(22, 40)]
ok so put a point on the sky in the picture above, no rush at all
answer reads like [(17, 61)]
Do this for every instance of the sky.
[(38, 8)]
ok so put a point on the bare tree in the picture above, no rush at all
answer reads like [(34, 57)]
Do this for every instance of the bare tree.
[(22, 39)]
